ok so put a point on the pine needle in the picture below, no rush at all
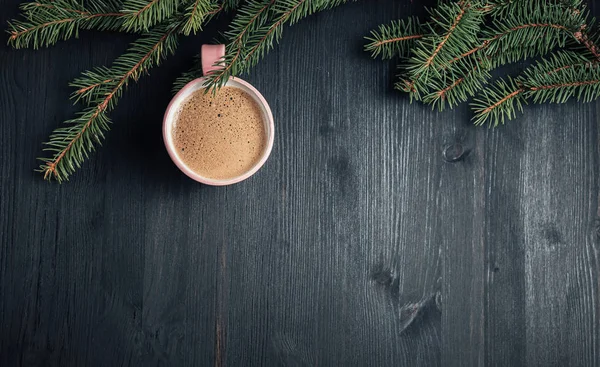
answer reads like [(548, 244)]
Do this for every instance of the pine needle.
[(535, 32), (394, 39), (255, 29), (46, 22), (452, 32), (197, 12), (100, 89), (457, 86), (141, 15), (564, 75)]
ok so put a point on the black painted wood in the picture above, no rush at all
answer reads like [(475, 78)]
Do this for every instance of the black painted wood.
[(378, 233)]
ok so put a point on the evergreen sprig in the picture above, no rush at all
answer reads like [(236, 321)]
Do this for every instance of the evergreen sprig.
[(395, 39), (445, 61), (141, 15), (253, 32), (100, 89), (257, 25), (250, 16), (45, 22), (534, 32), (196, 13), (564, 75), (453, 59), (453, 88), (502, 8), (451, 32)]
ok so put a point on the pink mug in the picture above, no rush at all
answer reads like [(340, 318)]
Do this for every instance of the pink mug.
[(210, 55)]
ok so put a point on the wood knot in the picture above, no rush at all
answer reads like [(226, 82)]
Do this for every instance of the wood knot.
[(426, 310), (383, 276), (454, 153), (388, 280)]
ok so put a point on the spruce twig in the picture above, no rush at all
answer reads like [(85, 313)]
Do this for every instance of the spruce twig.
[(253, 32), (250, 16), (556, 79), (454, 88), (46, 22), (196, 14), (72, 144), (141, 15), (394, 39), (100, 89), (443, 73), (452, 31)]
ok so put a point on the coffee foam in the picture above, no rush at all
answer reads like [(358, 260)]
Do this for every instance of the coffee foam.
[(221, 136)]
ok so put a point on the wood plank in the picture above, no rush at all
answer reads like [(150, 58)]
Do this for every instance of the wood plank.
[(504, 273), (559, 185), (378, 233), (346, 271), (460, 232)]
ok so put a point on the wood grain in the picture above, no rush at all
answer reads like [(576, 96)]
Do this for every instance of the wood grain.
[(379, 232)]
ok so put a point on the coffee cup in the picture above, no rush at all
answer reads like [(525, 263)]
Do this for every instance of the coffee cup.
[(211, 54)]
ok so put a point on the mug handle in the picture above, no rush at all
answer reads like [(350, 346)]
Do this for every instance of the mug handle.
[(211, 54)]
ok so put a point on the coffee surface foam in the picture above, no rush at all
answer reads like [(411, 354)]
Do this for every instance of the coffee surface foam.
[(221, 136)]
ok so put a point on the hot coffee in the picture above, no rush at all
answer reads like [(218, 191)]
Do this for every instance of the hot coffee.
[(220, 136)]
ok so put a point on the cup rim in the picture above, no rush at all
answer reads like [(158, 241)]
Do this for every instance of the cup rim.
[(168, 123)]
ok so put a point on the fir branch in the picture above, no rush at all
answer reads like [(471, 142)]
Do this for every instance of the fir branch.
[(250, 17), (230, 4), (456, 87), (92, 80), (453, 31), (395, 38), (141, 15), (72, 144), (552, 81), (258, 25), (529, 28), (564, 75), (498, 102), (534, 32), (196, 14), (504, 8), (46, 22), (291, 10), (582, 36)]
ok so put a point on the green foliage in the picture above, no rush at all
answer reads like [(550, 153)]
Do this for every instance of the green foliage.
[(230, 4), (579, 81), (45, 22), (196, 13), (564, 75), (464, 41), (499, 102), (445, 61), (395, 39), (257, 26), (457, 86), (140, 15), (452, 31), (499, 9), (250, 16), (536, 32), (100, 89)]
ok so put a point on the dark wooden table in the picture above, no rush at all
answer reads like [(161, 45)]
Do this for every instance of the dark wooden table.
[(379, 232)]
